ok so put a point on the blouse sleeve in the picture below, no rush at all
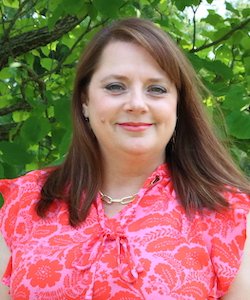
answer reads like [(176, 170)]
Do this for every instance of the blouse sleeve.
[(228, 236), (16, 214), (8, 213), (11, 193)]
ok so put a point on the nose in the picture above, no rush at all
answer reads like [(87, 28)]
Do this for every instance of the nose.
[(136, 101)]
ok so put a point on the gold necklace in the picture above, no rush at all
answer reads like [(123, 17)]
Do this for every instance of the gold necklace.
[(110, 200)]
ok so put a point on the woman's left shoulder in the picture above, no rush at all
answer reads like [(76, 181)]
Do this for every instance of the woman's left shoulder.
[(226, 236), (240, 288), (237, 199)]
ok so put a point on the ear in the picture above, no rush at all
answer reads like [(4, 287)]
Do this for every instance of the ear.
[(85, 110), (84, 99)]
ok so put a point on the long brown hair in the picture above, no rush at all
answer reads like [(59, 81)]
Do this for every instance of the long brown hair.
[(200, 166)]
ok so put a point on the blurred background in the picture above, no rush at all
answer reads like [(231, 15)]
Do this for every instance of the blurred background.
[(40, 44)]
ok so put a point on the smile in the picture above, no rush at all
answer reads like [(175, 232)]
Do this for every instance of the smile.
[(134, 126)]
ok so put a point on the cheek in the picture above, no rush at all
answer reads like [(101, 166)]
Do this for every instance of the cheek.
[(168, 113)]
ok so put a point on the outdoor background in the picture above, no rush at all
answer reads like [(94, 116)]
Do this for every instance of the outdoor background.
[(40, 43)]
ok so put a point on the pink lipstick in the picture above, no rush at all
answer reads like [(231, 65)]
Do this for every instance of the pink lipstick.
[(135, 126)]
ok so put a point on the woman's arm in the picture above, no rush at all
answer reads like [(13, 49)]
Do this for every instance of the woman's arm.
[(5, 255), (240, 288)]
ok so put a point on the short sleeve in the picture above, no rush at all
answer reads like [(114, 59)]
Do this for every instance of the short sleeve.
[(11, 193), (228, 236), (20, 196)]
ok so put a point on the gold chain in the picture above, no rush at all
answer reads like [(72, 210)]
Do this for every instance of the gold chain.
[(110, 200)]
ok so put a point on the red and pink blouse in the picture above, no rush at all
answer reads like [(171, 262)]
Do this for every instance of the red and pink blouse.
[(149, 250)]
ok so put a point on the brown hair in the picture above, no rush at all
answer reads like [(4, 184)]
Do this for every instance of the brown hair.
[(200, 166)]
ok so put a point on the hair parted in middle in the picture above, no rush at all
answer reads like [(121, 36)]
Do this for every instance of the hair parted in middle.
[(199, 164)]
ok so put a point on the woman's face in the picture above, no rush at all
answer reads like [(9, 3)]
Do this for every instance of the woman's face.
[(131, 103)]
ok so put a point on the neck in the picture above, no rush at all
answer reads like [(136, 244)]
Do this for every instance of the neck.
[(125, 177)]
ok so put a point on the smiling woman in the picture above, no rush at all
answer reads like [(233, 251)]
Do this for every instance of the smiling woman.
[(131, 104), (147, 204)]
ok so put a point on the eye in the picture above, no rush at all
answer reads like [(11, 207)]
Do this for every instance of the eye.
[(156, 90), (115, 88)]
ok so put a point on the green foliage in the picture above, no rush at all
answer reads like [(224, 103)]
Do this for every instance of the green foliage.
[(36, 84)]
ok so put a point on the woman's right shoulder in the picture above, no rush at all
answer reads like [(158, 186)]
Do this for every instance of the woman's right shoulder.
[(20, 196), (22, 192), (31, 181)]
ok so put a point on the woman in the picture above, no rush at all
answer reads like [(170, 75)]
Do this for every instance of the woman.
[(147, 204)]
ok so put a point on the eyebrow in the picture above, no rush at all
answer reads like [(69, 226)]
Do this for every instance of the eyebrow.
[(122, 77), (114, 76)]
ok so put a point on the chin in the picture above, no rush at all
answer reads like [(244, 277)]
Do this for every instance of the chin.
[(139, 150)]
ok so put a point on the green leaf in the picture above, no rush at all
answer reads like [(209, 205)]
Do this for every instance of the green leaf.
[(62, 111), (218, 68), (35, 129), (182, 4), (47, 63), (64, 145), (234, 99), (11, 3), (14, 154), (45, 50), (246, 12), (245, 42), (4, 89), (74, 7), (57, 14), (213, 18), (1, 172), (5, 73), (92, 11), (11, 170), (5, 100), (1, 200), (246, 61), (108, 9), (230, 7), (19, 116), (238, 124)]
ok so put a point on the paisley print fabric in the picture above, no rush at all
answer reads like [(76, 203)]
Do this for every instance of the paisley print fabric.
[(150, 250)]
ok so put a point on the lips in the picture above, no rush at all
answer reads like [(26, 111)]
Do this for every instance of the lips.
[(135, 126)]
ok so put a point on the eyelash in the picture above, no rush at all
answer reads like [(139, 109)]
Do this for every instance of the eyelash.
[(118, 88), (157, 89), (115, 88)]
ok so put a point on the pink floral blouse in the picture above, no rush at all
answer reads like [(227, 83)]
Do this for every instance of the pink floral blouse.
[(150, 250)]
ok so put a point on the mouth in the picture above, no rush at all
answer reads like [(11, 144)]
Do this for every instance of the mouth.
[(135, 126)]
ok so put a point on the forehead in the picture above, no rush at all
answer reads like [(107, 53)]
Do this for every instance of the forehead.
[(121, 56)]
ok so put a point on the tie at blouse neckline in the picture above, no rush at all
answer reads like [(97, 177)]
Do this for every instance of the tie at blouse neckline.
[(128, 266)]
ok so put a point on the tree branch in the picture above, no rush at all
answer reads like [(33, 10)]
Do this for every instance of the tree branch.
[(5, 129), (21, 105), (36, 38), (88, 29), (223, 38), (60, 63), (13, 20), (194, 24), (35, 78)]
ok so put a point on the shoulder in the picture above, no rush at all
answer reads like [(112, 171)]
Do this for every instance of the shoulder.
[(21, 193), (237, 199), (30, 182), (240, 288), (225, 233), (20, 197)]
